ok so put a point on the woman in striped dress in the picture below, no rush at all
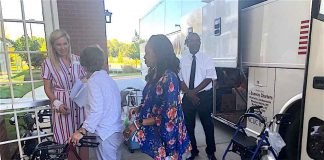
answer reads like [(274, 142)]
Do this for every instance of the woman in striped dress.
[(60, 71)]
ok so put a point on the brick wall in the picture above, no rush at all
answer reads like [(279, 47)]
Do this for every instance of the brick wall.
[(84, 20)]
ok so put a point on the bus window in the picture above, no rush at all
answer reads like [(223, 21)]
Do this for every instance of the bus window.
[(322, 8), (315, 140), (321, 12)]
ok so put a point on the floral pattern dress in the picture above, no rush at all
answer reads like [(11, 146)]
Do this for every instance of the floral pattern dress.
[(168, 137)]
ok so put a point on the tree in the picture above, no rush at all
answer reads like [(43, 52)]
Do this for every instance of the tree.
[(35, 44), (135, 55), (121, 49), (130, 51), (113, 47), (117, 49), (110, 58), (136, 44), (20, 44), (120, 58)]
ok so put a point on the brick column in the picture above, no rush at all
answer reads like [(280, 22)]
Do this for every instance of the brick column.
[(84, 20)]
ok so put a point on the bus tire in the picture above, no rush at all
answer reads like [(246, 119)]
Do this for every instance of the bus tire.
[(292, 139)]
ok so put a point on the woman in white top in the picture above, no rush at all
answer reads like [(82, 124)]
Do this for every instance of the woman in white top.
[(103, 108)]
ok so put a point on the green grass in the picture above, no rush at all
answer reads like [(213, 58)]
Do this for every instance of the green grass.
[(11, 129), (19, 89), (25, 75)]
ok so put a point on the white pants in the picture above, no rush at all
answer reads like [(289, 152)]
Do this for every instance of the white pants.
[(110, 148)]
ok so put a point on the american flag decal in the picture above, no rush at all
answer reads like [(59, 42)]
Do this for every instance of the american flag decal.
[(303, 36)]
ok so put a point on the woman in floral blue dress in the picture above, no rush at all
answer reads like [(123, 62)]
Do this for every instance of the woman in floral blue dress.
[(160, 126)]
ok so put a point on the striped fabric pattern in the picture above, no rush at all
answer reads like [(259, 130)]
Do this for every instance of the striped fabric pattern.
[(62, 82), (303, 36)]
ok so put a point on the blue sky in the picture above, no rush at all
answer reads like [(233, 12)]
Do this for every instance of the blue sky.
[(125, 17)]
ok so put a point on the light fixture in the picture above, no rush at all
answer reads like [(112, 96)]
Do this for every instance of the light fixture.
[(108, 16)]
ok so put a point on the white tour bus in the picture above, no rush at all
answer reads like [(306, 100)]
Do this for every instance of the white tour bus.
[(259, 49)]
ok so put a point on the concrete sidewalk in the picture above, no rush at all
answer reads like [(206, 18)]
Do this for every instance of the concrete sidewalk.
[(223, 136), (223, 133)]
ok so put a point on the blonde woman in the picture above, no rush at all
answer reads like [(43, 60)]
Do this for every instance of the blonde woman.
[(60, 71)]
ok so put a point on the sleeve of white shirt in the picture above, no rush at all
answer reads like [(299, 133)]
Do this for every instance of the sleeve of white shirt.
[(180, 71), (210, 68), (95, 100)]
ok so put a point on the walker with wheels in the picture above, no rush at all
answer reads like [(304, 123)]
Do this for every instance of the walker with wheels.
[(251, 148), (131, 98)]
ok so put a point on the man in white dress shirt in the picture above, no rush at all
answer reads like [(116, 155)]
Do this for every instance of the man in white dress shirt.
[(103, 115), (196, 74)]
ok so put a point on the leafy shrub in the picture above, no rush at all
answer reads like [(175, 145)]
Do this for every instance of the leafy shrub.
[(129, 69)]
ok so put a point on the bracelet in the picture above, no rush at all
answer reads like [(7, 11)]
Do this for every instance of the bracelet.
[(57, 104), (137, 128), (140, 121)]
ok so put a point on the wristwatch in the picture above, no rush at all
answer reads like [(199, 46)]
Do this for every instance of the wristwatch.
[(140, 121), (81, 132)]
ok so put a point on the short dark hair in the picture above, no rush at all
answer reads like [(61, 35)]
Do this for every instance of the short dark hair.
[(92, 58), (189, 36)]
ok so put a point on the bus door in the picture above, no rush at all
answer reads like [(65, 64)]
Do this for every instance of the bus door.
[(312, 137)]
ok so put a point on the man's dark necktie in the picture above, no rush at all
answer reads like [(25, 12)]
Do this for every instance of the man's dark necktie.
[(192, 73)]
